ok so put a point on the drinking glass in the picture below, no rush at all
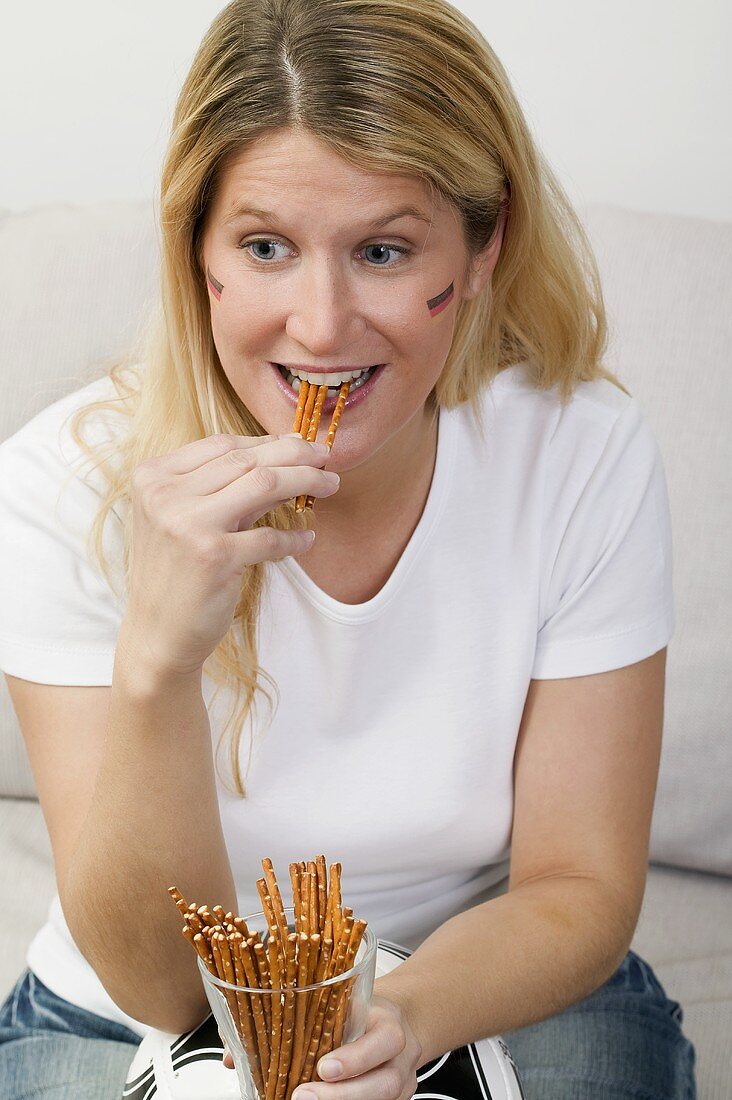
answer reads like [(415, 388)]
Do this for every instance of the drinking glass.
[(289, 1028)]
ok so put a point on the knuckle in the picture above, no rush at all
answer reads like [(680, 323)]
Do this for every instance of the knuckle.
[(223, 441), (209, 549), (391, 1084), (264, 479), (240, 458), (271, 543)]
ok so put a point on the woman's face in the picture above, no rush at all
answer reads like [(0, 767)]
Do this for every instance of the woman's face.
[(313, 264)]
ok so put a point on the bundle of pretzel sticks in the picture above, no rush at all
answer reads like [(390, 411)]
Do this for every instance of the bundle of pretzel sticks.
[(284, 1033), (311, 399)]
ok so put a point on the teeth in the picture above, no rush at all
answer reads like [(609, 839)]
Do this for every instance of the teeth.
[(331, 379), (335, 381)]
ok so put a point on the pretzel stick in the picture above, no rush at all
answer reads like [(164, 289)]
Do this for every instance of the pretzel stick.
[(303, 967), (335, 966), (218, 912), (296, 902), (340, 966), (221, 969), (314, 916), (305, 887), (274, 893), (301, 399), (273, 950), (288, 1018), (177, 896), (251, 974), (335, 421), (321, 873), (359, 927), (312, 432), (308, 411), (257, 1052)]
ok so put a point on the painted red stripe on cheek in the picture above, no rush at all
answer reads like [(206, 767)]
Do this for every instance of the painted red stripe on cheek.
[(441, 301), (214, 285)]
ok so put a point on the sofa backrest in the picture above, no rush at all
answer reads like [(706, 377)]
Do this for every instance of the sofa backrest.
[(77, 282)]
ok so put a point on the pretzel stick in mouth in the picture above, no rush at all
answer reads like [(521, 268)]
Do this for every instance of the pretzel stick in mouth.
[(307, 421), (284, 1032)]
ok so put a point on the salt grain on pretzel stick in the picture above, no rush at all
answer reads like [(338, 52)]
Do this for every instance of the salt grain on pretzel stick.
[(335, 421), (288, 1018)]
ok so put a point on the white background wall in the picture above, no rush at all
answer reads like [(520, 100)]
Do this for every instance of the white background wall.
[(630, 101)]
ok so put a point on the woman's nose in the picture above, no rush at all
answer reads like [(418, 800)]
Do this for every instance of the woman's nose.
[(324, 316)]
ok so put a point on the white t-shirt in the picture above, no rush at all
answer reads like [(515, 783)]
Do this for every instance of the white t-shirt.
[(544, 551)]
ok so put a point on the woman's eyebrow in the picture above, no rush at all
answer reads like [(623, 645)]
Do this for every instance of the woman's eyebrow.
[(379, 223)]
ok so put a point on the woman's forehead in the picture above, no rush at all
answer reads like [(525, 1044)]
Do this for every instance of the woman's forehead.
[(293, 174)]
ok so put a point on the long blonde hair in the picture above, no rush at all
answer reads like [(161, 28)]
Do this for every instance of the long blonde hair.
[(408, 86)]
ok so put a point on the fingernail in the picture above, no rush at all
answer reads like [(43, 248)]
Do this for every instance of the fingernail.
[(330, 1068), (320, 448), (304, 1094), (291, 435), (331, 477)]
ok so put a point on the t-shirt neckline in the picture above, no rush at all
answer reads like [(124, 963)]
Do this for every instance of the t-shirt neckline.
[(434, 506)]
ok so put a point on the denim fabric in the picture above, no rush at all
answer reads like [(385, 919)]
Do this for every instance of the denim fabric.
[(624, 1042)]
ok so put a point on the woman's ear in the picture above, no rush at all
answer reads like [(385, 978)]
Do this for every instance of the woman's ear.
[(483, 265)]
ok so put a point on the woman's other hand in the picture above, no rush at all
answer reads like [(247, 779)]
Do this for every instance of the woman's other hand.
[(381, 1065), (192, 537)]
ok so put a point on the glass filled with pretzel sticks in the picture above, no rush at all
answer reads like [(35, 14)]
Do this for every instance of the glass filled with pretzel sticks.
[(311, 399), (286, 984)]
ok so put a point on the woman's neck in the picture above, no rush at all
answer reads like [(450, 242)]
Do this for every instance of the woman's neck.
[(360, 542)]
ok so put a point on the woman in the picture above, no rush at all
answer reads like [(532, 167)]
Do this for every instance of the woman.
[(467, 664)]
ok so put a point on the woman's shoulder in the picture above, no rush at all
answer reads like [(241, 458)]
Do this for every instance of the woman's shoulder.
[(596, 410), (46, 447)]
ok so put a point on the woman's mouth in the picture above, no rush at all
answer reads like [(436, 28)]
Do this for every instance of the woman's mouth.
[(361, 383)]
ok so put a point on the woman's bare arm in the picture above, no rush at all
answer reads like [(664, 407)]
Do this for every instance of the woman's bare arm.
[(125, 778), (585, 779)]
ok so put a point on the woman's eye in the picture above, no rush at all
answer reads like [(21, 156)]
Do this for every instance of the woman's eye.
[(264, 251), (378, 254)]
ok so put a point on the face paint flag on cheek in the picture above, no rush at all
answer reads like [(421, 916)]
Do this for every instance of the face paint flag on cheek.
[(442, 301), (214, 285)]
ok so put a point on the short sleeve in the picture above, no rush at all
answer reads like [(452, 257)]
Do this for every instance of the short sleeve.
[(59, 616), (607, 598)]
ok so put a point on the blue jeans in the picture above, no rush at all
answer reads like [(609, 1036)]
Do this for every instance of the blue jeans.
[(624, 1042)]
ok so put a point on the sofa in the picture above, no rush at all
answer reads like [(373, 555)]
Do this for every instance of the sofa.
[(76, 286)]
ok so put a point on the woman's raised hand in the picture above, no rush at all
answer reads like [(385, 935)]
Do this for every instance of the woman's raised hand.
[(192, 537)]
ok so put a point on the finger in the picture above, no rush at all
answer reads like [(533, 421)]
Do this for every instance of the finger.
[(237, 506), (381, 1043), (192, 455), (226, 467), (388, 1082), (269, 544)]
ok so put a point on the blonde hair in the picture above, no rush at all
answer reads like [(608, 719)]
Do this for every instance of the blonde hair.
[(408, 86)]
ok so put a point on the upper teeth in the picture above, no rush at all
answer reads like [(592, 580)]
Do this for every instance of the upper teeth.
[(328, 379)]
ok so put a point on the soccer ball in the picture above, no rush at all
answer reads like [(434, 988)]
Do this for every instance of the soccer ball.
[(190, 1067)]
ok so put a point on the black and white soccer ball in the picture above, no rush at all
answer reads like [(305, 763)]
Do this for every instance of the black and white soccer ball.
[(190, 1067)]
